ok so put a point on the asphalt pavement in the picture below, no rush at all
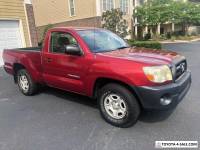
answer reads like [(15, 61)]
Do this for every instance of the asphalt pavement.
[(58, 120)]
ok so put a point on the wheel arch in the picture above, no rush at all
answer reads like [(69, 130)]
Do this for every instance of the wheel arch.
[(16, 68), (100, 82)]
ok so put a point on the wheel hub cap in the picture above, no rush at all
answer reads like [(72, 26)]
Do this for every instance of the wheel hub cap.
[(115, 106), (24, 82)]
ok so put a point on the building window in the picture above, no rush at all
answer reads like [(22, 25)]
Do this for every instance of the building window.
[(107, 5), (124, 6), (71, 7), (141, 2)]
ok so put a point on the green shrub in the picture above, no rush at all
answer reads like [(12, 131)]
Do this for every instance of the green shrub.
[(163, 37), (173, 38), (146, 44), (168, 35), (147, 36)]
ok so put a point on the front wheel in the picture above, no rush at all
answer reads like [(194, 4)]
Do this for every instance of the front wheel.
[(118, 106), (25, 83)]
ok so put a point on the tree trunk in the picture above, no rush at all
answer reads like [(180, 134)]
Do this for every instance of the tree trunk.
[(187, 29), (158, 29), (184, 28), (136, 31), (173, 27), (145, 31)]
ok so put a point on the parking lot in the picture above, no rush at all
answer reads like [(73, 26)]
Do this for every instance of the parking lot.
[(58, 120)]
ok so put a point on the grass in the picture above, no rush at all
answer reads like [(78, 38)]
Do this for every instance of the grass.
[(146, 44)]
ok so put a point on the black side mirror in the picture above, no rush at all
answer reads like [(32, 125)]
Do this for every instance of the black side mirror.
[(73, 50)]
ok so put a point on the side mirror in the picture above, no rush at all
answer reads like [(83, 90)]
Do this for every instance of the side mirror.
[(73, 50)]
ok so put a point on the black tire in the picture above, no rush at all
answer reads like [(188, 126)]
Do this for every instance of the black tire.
[(32, 86), (132, 106)]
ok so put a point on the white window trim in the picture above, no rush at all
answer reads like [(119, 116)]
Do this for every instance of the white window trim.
[(128, 11), (114, 5), (70, 14), (28, 1)]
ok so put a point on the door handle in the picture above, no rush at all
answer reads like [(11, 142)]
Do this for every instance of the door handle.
[(48, 60)]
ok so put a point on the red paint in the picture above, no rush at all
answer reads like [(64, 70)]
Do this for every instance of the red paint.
[(123, 65)]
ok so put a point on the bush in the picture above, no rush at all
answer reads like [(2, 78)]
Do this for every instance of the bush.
[(168, 35), (113, 20), (178, 33), (146, 44), (147, 36), (163, 37)]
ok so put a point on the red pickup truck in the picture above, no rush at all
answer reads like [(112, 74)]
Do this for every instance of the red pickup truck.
[(99, 64)]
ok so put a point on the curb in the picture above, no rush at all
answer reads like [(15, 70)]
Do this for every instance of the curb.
[(179, 41)]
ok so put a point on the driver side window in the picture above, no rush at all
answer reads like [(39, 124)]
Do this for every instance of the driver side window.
[(59, 40)]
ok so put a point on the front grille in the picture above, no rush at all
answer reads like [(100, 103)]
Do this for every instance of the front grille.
[(180, 69)]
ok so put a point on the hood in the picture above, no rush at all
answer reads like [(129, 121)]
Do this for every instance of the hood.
[(149, 56)]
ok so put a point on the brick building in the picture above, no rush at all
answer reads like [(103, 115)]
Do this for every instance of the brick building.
[(78, 12)]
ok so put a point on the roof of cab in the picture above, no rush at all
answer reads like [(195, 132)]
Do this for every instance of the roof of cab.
[(77, 28)]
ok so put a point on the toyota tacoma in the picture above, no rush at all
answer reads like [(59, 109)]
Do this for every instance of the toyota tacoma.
[(99, 64)]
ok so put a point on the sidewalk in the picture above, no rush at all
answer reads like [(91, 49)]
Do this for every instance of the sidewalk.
[(179, 41), (1, 59), (1, 62)]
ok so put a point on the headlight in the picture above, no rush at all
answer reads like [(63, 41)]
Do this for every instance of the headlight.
[(158, 74)]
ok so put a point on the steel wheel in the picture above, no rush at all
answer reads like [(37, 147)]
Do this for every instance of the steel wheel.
[(115, 106), (118, 106), (23, 82)]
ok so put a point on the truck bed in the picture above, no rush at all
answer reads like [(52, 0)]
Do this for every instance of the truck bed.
[(30, 57), (28, 49)]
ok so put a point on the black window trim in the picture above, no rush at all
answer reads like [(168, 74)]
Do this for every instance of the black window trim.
[(50, 50)]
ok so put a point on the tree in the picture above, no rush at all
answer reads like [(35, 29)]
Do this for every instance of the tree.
[(155, 12), (113, 21), (49, 26), (152, 13), (190, 15)]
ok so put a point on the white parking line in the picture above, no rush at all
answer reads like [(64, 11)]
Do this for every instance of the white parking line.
[(4, 99)]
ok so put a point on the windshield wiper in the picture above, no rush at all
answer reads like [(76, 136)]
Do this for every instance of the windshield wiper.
[(122, 47), (104, 51)]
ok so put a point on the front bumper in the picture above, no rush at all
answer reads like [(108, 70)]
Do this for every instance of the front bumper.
[(150, 96)]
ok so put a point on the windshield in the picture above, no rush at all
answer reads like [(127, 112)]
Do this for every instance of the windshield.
[(102, 40)]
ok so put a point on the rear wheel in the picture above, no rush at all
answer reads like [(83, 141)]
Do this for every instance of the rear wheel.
[(25, 83), (118, 106)]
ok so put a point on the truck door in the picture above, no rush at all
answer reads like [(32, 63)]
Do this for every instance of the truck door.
[(63, 71)]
